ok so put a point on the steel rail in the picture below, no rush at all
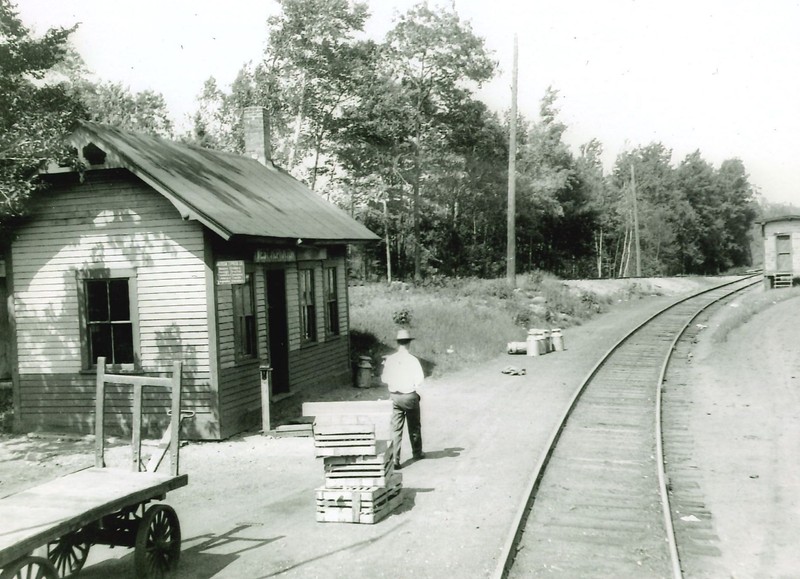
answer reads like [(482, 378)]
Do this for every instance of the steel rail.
[(508, 552), (677, 571)]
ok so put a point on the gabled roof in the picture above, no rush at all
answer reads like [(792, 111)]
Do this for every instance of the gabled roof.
[(230, 194)]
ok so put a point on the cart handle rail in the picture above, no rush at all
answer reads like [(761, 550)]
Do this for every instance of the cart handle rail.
[(138, 382)]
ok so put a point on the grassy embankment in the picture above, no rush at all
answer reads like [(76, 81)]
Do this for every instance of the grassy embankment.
[(459, 323), (746, 309)]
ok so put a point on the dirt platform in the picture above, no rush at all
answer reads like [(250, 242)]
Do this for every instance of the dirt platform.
[(249, 508)]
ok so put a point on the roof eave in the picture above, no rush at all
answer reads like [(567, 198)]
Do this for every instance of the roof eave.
[(265, 239), (187, 211)]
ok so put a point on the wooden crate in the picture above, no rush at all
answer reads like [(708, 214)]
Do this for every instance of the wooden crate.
[(377, 412), (344, 439), (371, 470), (366, 505)]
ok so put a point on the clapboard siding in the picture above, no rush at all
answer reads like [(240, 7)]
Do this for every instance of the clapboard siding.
[(322, 364), (59, 402), (248, 394), (227, 351), (341, 293), (261, 312), (115, 222), (57, 277), (240, 397), (240, 381), (293, 307)]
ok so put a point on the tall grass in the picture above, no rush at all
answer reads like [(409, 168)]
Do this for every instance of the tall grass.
[(459, 323), (745, 310)]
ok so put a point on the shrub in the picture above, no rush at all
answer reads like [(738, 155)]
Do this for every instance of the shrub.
[(461, 322), (402, 317)]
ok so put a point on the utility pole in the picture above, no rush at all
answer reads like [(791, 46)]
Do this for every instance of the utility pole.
[(636, 225), (511, 240)]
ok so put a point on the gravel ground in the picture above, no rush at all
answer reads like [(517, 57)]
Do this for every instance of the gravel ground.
[(746, 426), (240, 511)]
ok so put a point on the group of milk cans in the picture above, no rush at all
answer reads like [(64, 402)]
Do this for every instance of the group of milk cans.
[(538, 343)]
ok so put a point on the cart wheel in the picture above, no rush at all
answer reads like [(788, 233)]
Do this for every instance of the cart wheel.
[(69, 553), (158, 542), (30, 568)]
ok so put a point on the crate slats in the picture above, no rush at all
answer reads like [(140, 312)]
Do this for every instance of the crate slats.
[(359, 505), (360, 483), (357, 471), (344, 439)]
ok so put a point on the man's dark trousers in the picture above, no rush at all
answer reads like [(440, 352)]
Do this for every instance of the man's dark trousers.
[(406, 407)]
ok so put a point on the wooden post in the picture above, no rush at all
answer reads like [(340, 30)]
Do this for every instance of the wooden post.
[(175, 419), (511, 234), (99, 414), (266, 397), (136, 428)]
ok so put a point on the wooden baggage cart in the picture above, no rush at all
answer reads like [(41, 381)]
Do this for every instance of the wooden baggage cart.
[(63, 518)]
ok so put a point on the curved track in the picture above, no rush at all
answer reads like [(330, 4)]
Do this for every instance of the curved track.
[(598, 504)]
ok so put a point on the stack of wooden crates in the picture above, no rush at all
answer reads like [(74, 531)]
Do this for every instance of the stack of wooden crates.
[(360, 483)]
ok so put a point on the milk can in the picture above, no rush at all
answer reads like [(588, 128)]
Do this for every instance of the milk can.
[(547, 343), (364, 374), (557, 339), (532, 348), (517, 347), (536, 345)]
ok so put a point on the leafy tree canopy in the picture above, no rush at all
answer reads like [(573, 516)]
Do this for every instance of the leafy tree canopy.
[(35, 113)]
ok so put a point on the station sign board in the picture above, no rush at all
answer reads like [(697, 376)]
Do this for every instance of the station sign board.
[(274, 255), (230, 272), (289, 255)]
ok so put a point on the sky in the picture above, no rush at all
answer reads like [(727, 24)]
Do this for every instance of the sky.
[(721, 76)]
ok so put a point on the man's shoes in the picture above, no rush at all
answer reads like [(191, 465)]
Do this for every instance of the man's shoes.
[(398, 466), (419, 456)]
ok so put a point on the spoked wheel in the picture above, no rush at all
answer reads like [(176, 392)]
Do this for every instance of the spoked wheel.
[(158, 542), (30, 568), (69, 553)]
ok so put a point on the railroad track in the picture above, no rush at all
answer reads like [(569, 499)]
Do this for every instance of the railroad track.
[(598, 504)]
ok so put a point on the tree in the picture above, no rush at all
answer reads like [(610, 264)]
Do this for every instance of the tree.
[(602, 201), (740, 209), (312, 61), (557, 215), (667, 224), (35, 113), (697, 182), (218, 119), (434, 55), (114, 104)]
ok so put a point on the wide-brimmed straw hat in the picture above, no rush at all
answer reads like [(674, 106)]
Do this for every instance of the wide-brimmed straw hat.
[(403, 334)]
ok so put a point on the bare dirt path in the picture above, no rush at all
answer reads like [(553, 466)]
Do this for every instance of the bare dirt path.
[(746, 426), (248, 509)]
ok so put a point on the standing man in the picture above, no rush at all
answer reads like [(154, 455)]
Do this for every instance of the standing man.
[(402, 373)]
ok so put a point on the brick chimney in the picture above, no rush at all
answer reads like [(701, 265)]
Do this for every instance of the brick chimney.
[(256, 134)]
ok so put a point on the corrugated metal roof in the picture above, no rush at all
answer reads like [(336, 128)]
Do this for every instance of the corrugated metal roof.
[(230, 194)]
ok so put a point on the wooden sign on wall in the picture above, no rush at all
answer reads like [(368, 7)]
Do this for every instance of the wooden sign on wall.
[(230, 272)]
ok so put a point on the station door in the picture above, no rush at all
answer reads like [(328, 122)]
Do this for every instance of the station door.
[(783, 253)]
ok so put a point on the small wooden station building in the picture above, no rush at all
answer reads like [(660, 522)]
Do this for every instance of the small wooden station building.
[(161, 251), (781, 237)]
